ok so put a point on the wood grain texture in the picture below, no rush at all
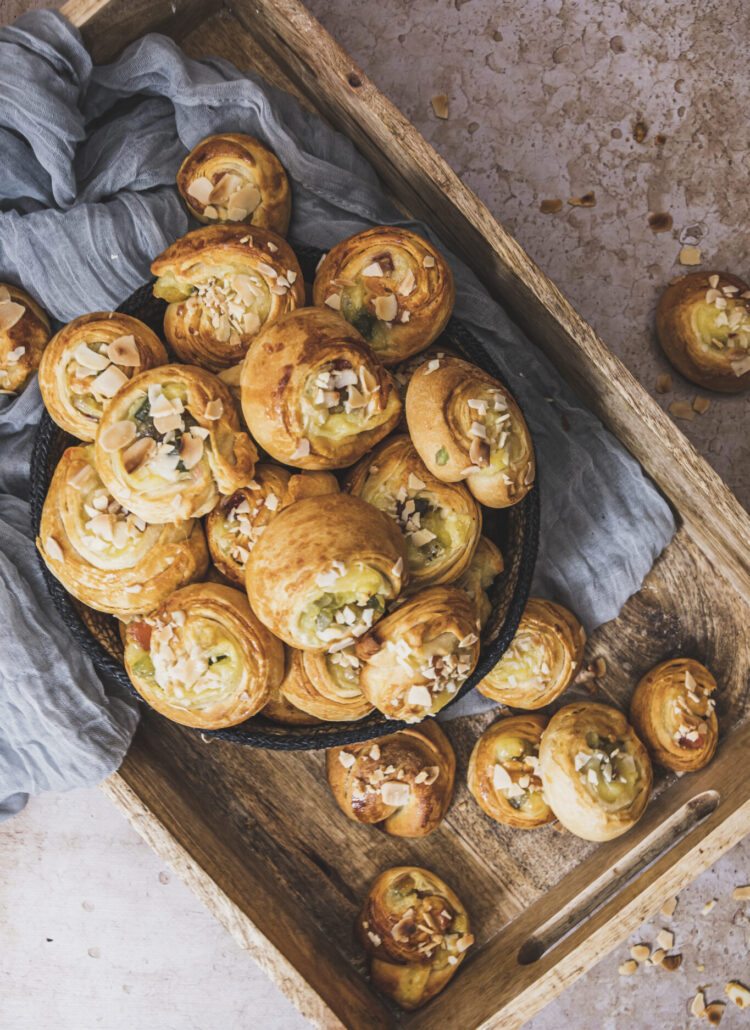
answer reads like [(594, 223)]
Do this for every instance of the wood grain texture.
[(109, 25)]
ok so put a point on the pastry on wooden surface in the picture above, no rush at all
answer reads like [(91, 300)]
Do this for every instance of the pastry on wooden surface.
[(542, 659), (88, 361), (393, 286), (169, 444), (325, 685), (222, 284), (403, 781), (416, 933), (503, 774), (467, 427), (24, 333), (313, 393), (596, 773), (108, 558), (703, 326), (441, 522), (232, 177), (324, 569), (672, 712), (486, 565), (203, 659), (416, 658), (237, 521)]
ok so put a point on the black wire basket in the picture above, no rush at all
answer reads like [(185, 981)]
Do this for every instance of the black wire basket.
[(515, 530)]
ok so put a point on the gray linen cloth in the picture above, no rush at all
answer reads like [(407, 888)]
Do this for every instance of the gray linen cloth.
[(87, 199)]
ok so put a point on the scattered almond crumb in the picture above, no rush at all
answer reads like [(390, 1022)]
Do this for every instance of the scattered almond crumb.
[(700, 967), (708, 907), (551, 207), (640, 131), (668, 907), (640, 952), (691, 256), (739, 994), (671, 963), (682, 409), (628, 968), (741, 893), (440, 106), (665, 939), (587, 200), (599, 667), (698, 1005), (701, 404), (657, 957), (664, 383), (714, 1012), (660, 221)]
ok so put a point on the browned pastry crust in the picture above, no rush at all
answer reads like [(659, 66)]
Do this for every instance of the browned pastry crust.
[(24, 332), (88, 361), (325, 685), (543, 657), (403, 782), (324, 569), (237, 521), (233, 177), (203, 659), (672, 711), (486, 565), (502, 773), (416, 658), (416, 932), (466, 426), (441, 522), (109, 559), (170, 443), (392, 285), (224, 283), (313, 393), (596, 773), (703, 325), (280, 709)]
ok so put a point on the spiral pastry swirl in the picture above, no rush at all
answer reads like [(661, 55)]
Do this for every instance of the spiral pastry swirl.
[(222, 284), (203, 659), (24, 333), (325, 685)]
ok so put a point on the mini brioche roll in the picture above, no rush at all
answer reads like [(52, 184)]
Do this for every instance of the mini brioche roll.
[(313, 393), (325, 685), (392, 286), (102, 554), (170, 443), (467, 427), (24, 333), (232, 177), (441, 522), (486, 565), (416, 932), (324, 570), (203, 659), (416, 658), (88, 361), (223, 284)]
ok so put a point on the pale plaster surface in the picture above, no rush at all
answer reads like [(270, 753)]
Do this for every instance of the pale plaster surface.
[(543, 98)]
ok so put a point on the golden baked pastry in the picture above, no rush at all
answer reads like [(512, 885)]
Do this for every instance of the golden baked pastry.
[(542, 659), (466, 426), (324, 570), (24, 333), (415, 659), (325, 685), (672, 712), (279, 709), (403, 372), (169, 444), (232, 177), (223, 284), (486, 565), (313, 393), (441, 522), (703, 325), (416, 933), (237, 521), (203, 659), (108, 558), (503, 775), (392, 286), (403, 782), (86, 363), (596, 773)]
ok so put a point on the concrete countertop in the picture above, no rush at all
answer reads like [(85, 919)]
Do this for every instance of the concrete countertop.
[(543, 101)]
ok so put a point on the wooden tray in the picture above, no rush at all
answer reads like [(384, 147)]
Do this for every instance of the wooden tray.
[(286, 879)]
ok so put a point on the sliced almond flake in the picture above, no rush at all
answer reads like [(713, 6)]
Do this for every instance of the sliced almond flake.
[(421, 537), (432, 366), (657, 956), (682, 409), (347, 759), (53, 549), (267, 270), (398, 568), (214, 409), (440, 105), (210, 211), (741, 366), (191, 450), (690, 256), (373, 270), (415, 483), (200, 189), (741, 893), (386, 308), (138, 454), (419, 696), (334, 301), (108, 382), (665, 939), (713, 281), (664, 383), (90, 359), (10, 313), (222, 190), (405, 316), (714, 1012), (478, 430), (428, 261), (395, 794), (407, 284), (470, 470), (302, 449), (640, 952), (669, 907), (465, 942), (501, 777), (628, 968), (698, 1005), (739, 994), (134, 588), (340, 644), (243, 202), (117, 436), (124, 351), (15, 355)]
